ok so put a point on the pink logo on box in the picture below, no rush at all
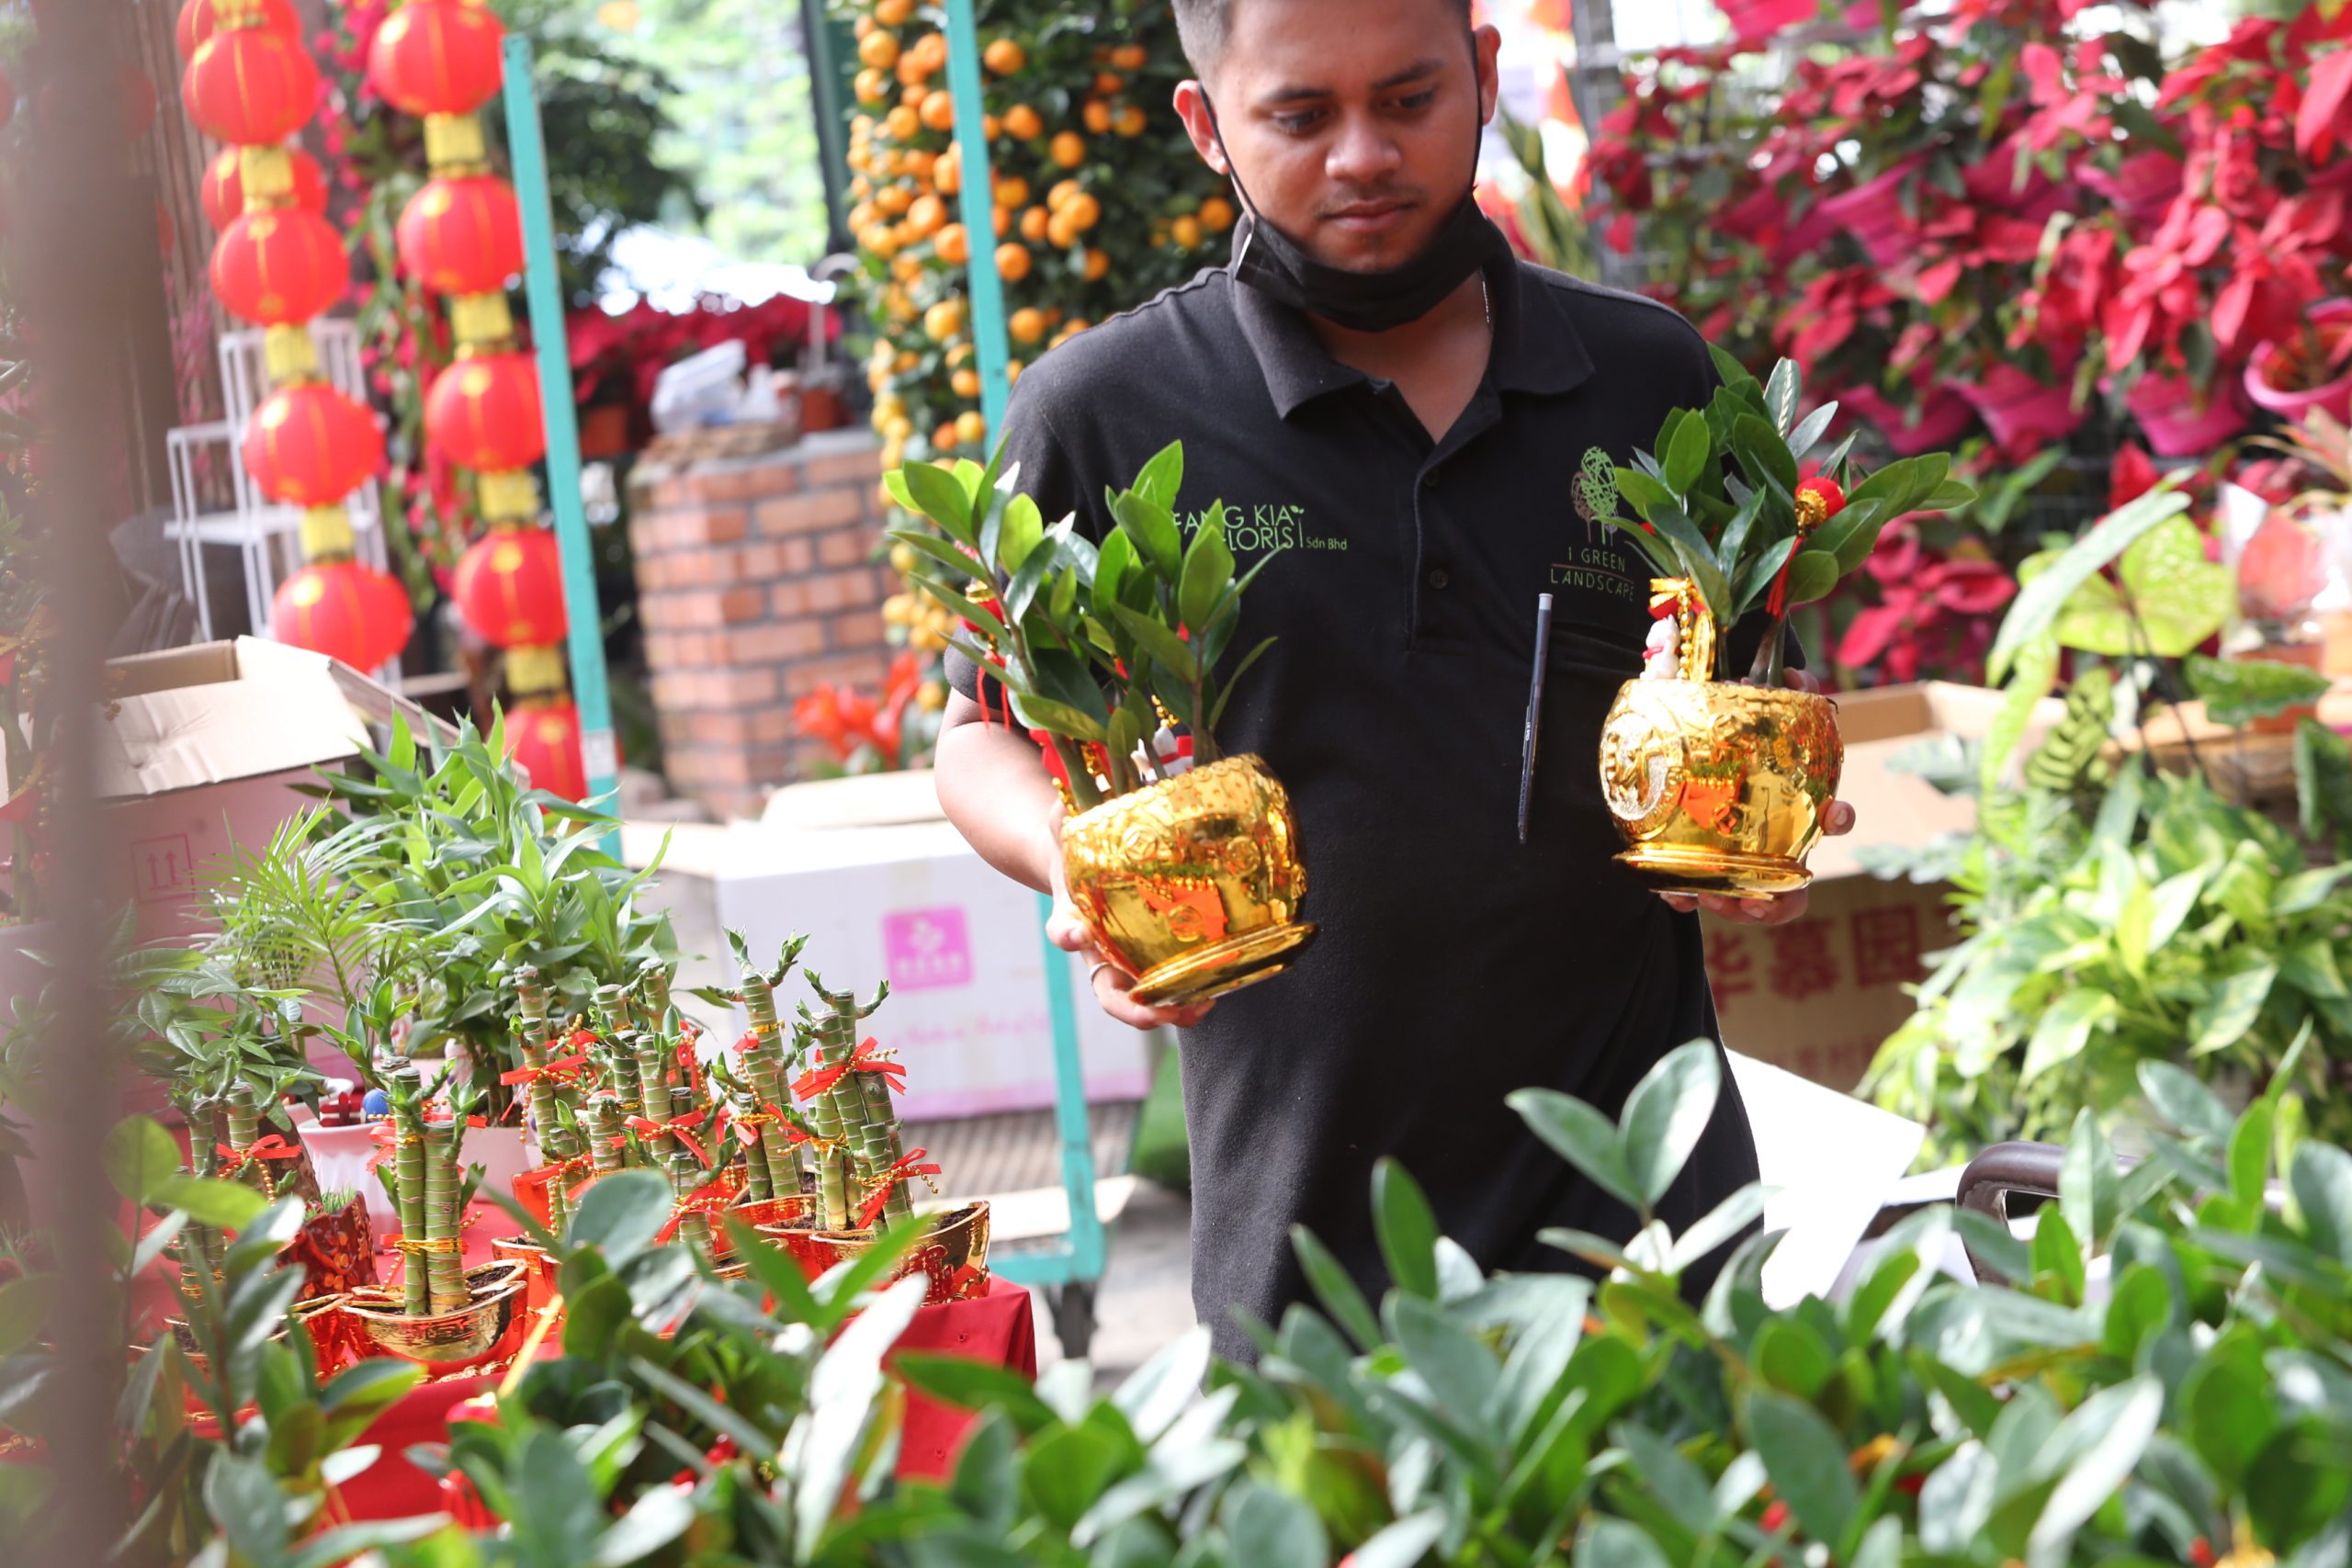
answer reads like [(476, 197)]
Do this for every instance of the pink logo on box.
[(927, 949)]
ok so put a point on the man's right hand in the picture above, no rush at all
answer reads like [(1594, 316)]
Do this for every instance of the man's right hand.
[(1113, 987)]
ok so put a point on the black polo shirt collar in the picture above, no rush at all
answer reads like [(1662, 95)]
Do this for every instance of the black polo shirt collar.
[(1536, 349)]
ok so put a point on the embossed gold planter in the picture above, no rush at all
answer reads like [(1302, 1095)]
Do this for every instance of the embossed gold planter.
[(1719, 788), (954, 1257), (444, 1341), (1193, 884)]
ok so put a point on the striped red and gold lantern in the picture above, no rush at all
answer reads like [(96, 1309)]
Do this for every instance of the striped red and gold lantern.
[(543, 735), (509, 587), (224, 192), (484, 414), (343, 608), (312, 444), (462, 235), (279, 266), (437, 57), (199, 19), (250, 86)]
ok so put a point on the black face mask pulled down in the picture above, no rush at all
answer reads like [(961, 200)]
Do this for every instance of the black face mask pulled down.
[(1279, 268)]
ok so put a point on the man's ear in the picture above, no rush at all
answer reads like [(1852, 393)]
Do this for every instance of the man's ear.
[(1489, 42), (1193, 106)]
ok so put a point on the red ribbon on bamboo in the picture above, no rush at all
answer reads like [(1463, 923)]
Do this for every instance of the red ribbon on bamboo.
[(866, 1058)]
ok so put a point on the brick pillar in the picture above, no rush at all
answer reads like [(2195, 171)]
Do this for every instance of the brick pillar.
[(758, 581)]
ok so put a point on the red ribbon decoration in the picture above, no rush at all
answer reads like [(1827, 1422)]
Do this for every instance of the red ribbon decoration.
[(1818, 499), (734, 1122), (909, 1165), (676, 1126), (866, 1058), (560, 1070), (270, 1146)]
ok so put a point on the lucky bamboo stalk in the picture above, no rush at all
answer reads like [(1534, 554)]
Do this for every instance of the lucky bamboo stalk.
[(882, 1113), (531, 1028), (835, 1038), (408, 1194), (742, 1103), (653, 1091), (443, 1269), (606, 1146), (653, 987), (244, 1131), (764, 1067), (694, 1225)]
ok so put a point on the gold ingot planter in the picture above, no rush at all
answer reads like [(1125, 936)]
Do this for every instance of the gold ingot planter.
[(1193, 884), (954, 1257), (445, 1342), (1715, 787)]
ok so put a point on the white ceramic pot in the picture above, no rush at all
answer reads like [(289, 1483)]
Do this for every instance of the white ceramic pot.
[(340, 1156)]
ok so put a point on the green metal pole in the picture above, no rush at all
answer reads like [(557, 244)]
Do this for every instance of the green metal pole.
[(1082, 1255), (527, 148), (978, 208)]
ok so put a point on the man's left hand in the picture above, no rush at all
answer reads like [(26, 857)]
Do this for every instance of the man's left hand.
[(1779, 909)]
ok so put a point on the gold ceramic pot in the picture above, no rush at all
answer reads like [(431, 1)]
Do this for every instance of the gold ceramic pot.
[(1193, 884), (954, 1257), (1718, 787), (446, 1340), (538, 1267)]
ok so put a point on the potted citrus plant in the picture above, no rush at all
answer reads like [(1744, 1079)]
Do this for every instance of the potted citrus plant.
[(1719, 785), (1186, 869)]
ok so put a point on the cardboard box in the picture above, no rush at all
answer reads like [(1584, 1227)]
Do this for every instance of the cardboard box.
[(1819, 995), (886, 889), (200, 751)]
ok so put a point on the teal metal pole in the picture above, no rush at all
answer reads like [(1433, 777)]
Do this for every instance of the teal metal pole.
[(526, 148), (1082, 1256), (976, 206)]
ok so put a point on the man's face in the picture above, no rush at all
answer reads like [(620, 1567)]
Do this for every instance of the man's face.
[(1352, 124)]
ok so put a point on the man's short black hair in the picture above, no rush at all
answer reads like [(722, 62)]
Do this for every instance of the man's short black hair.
[(1201, 27)]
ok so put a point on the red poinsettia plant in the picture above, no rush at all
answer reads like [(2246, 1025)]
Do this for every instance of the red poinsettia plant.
[(872, 734)]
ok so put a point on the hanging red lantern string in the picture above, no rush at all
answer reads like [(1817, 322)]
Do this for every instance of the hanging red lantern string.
[(199, 19), (223, 194), (249, 85), (509, 587), (462, 237), (278, 263), (437, 57)]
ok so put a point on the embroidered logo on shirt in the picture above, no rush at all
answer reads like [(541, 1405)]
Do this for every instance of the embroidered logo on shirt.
[(1263, 530), (1594, 492), (1598, 568)]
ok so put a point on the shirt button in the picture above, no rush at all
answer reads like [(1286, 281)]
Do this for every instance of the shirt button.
[(1439, 577)]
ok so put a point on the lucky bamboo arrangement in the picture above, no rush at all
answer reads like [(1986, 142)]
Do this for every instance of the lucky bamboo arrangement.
[(427, 1182)]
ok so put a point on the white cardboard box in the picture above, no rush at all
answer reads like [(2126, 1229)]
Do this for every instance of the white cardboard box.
[(962, 946)]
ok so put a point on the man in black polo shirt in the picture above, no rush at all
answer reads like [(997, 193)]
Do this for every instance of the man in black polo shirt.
[(1393, 407)]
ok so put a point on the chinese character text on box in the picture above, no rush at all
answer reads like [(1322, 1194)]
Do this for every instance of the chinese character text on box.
[(927, 949)]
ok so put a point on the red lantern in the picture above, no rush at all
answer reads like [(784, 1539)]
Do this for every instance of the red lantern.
[(251, 86), (543, 735), (462, 235), (437, 57), (509, 587), (279, 267), (484, 413), (224, 192), (346, 609), (312, 445), (198, 20)]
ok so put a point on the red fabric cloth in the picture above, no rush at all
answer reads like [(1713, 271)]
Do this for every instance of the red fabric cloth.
[(999, 1329)]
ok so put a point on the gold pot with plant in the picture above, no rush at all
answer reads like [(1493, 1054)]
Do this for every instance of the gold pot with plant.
[(1719, 784), (1184, 864)]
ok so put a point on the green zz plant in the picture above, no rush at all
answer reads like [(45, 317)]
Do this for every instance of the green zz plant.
[(1094, 642), (2162, 1380), (692, 1420), (1721, 502), (230, 1443)]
